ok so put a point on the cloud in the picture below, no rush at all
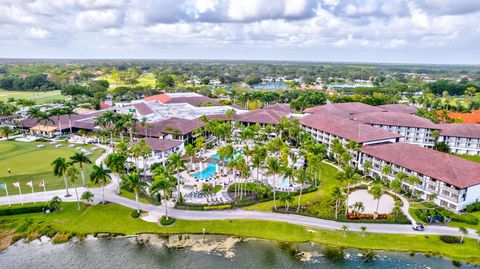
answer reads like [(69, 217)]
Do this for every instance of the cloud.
[(178, 26)]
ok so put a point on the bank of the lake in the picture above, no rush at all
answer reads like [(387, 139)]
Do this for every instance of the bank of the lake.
[(113, 218), (210, 251)]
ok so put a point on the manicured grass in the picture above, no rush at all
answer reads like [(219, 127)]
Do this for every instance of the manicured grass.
[(471, 158), (327, 177), (29, 163), (131, 195), (116, 219), (459, 224), (39, 97)]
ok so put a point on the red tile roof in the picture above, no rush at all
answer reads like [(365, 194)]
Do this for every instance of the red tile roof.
[(460, 130), (143, 109), (348, 129), (399, 108), (80, 121), (162, 144), (192, 100), (184, 126), (162, 98), (473, 117), (343, 109), (104, 106), (394, 119), (280, 107), (438, 165), (264, 116)]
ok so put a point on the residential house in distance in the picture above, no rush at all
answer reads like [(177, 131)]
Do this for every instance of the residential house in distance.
[(461, 138)]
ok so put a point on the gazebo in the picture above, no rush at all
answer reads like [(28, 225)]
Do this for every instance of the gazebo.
[(44, 130)]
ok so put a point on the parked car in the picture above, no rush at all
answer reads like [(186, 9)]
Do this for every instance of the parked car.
[(418, 227)]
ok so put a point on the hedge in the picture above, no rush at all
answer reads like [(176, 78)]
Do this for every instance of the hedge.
[(450, 239), (473, 207), (166, 222), (22, 210)]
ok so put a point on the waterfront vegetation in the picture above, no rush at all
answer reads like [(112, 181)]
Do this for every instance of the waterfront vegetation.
[(27, 163), (111, 218)]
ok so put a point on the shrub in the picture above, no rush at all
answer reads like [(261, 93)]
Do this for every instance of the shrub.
[(473, 207), (134, 214), (21, 210), (450, 239), (166, 222), (217, 207)]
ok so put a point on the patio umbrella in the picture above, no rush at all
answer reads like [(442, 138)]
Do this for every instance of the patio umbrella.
[(216, 168), (201, 166)]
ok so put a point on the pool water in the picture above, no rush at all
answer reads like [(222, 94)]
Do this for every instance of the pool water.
[(217, 157), (282, 183), (207, 173)]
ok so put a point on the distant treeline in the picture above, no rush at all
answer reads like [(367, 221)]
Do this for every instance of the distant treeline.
[(36, 82)]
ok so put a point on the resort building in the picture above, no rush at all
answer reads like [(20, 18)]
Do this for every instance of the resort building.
[(265, 116), (413, 129), (190, 98), (461, 138), (162, 148), (399, 108), (447, 180), (343, 109), (325, 128), (172, 128)]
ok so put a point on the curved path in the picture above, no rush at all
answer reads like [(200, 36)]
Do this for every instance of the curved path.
[(154, 212)]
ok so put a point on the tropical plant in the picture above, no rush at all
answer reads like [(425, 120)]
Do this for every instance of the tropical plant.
[(116, 163), (133, 182), (274, 168), (302, 178), (87, 196), (190, 151), (81, 159), (177, 164), (337, 196), (5, 131), (72, 174), (377, 192), (100, 175), (363, 229), (162, 182), (386, 170), (60, 166), (464, 232), (286, 199), (348, 176), (69, 110), (344, 229)]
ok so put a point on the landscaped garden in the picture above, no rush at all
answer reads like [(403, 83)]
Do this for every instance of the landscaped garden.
[(116, 219), (29, 162)]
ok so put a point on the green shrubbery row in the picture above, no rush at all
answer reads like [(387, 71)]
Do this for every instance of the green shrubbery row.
[(450, 239), (422, 214), (22, 210), (473, 207)]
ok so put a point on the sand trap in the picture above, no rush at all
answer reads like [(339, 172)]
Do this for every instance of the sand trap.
[(386, 202)]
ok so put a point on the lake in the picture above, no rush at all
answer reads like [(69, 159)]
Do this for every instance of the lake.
[(195, 251)]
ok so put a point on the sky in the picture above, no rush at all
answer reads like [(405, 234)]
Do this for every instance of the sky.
[(394, 31)]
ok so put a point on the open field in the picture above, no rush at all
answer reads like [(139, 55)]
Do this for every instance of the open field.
[(116, 219), (146, 79), (327, 177), (27, 162), (39, 97), (471, 158)]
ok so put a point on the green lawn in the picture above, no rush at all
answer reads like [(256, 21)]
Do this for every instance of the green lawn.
[(328, 182), (27, 162), (39, 97), (116, 219), (472, 158)]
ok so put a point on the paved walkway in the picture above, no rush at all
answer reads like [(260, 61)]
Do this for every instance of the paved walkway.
[(154, 213)]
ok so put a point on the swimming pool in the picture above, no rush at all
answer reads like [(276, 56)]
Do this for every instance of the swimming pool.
[(207, 173), (281, 183), (217, 157)]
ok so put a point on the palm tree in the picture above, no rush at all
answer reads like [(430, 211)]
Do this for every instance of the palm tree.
[(302, 177), (87, 196), (57, 112), (199, 143), (464, 232), (190, 152), (350, 177), (132, 181), (363, 229), (100, 176), (107, 121), (344, 229), (116, 163), (337, 196), (386, 170), (377, 192), (69, 111), (81, 159), (286, 199), (162, 182), (60, 166), (5, 131), (177, 164), (412, 180), (72, 174), (274, 168), (367, 167), (257, 162), (288, 173)]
